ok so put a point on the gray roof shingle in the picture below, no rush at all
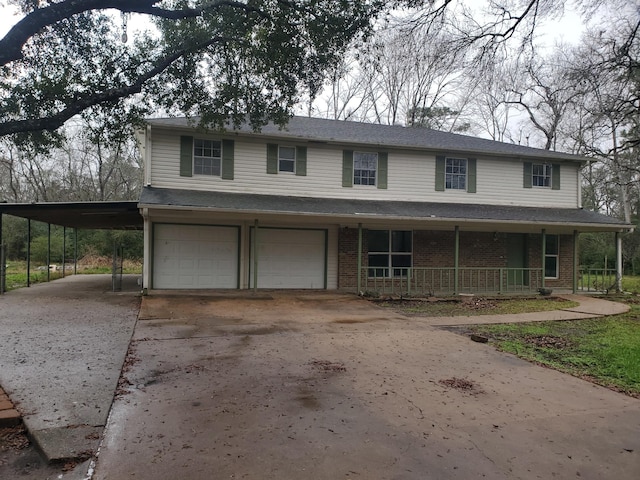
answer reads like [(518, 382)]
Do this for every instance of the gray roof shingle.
[(366, 209), (385, 136)]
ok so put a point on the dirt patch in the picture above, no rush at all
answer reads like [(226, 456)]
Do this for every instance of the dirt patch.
[(548, 341), (462, 384), (20, 459), (328, 366)]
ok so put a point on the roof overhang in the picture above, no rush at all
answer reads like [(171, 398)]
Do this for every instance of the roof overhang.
[(349, 212), (123, 215)]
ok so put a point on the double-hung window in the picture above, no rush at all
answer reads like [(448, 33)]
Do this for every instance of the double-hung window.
[(365, 166), (551, 252), (456, 174), (390, 253), (287, 159), (541, 175), (207, 157)]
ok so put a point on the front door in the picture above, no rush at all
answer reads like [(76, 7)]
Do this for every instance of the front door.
[(517, 261)]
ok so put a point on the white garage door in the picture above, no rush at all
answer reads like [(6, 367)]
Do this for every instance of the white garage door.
[(290, 258), (195, 256)]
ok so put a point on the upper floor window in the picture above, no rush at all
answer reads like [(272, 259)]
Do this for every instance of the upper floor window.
[(365, 166), (207, 157), (287, 159), (456, 173), (541, 175)]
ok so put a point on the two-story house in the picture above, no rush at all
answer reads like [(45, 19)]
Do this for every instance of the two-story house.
[(326, 204)]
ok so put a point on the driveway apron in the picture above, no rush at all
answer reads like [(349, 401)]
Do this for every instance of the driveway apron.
[(327, 386), (62, 350)]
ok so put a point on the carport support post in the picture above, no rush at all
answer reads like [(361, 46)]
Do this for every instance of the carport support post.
[(618, 262), (544, 257), (254, 254), (575, 261), (64, 248), (28, 252), (456, 262), (3, 261), (48, 252), (359, 279), (75, 251)]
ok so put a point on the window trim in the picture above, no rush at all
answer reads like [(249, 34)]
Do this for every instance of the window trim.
[(390, 269), (376, 171), (212, 158)]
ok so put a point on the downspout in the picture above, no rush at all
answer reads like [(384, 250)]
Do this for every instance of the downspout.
[(544, 256), (456, 262), (359, 279), (575, 261)]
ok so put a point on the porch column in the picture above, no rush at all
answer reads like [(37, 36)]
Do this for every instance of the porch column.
[(254, 254), (28, 252), (544, 256), (575, 261), (359, 280), (456, 262), (618, 262)]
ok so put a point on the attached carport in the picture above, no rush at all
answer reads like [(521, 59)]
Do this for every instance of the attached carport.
[(120, 215)]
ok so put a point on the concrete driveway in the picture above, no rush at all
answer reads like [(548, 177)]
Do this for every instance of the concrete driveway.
[(327, 386), (62, 345)]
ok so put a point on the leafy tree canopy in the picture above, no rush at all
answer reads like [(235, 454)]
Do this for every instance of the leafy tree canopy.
[(221, 60)]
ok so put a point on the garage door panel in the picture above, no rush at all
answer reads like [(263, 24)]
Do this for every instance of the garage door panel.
[(195, 256), (291, 258)]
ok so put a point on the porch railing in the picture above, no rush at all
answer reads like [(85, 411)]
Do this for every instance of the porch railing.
[(596, 279), (442, 280)]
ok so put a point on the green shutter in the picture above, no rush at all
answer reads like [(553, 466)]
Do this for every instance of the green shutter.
[(471, 175), (383, 169), (555, 177), (440, 166), (272, 158), (528, 173), (347, 168), (227, 159), (186, 156), (301, 161)]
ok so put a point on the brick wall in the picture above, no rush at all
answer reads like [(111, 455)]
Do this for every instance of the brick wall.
[(435, 249)]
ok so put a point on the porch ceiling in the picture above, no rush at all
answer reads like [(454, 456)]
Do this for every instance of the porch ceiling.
[(106, 215), (351, 212)]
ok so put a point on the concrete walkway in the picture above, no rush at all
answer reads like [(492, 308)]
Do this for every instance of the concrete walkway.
[(589, 307), (62, 349)]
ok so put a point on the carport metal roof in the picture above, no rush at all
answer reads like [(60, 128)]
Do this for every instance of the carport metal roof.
[(122, 215)]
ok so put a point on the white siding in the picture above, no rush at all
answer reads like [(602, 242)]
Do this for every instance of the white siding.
[(411, 177)]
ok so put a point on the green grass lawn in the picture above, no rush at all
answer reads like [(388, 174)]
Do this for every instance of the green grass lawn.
[(17, 272), (603, 350)]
